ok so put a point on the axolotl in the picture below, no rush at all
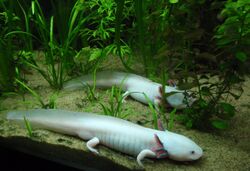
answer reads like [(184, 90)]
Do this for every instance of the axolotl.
[(115, 133), (134, 85)]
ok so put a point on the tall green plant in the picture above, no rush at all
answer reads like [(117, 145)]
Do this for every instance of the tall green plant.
[(27, 38), (52, 100), (233, 35), (141, 32), (58, 53), (7, 64), (28, 127), (153, 21), (7, 68), (100, 17), (118, 48), (115, 103)]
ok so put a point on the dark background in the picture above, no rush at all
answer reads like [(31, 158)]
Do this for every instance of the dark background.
[(14, 160)]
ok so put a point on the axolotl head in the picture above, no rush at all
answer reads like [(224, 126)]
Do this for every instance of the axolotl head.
[(179, 147), (178, 99)]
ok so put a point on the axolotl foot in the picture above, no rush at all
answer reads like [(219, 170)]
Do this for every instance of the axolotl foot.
[(92, 143)]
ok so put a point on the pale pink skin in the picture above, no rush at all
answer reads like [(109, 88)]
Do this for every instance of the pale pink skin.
[(114, 133), (133, 85)]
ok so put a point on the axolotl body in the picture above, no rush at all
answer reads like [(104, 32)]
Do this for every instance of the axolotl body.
[(115, 133), (134, 85)]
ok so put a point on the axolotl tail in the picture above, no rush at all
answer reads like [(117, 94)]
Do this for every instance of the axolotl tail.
[(103, 79), (55, 120), (14, 115)]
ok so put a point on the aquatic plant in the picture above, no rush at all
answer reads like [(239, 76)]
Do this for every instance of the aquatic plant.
[(58, 53), (26, 35), (13, 13), (185, 58), (52, 100), (8, 45), (212, 109), (153, 111), (7, 69), (232, 36), (88, 59), (28, 127), (120, 47), (99, 29), (91, 95), (123, 51), (171, 119), (232, 39), (161, 117), (104, 26), (115, 103)]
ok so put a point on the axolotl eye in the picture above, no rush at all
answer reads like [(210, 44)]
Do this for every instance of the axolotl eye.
[(192, 152)]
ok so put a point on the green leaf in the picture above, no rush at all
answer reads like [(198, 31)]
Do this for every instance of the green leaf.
[(225, 41), (28, 126), (34, 94), (232, 20), (202, 103), (189, 124), (86, 53), (228, 109), (104, 109), (241, 56), (205, 91), (219, 124), (95, 54), (173, 1), (154, 112), (171, 119)]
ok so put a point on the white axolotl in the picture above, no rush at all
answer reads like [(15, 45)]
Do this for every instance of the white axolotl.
[(114, 133), (134, 85)]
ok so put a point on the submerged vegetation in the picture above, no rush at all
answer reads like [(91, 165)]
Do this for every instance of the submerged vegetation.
[(203, 44), (114, 107)]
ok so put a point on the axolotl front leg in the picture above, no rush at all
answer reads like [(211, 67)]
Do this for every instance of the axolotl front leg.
[(157, 151), (143, 154)]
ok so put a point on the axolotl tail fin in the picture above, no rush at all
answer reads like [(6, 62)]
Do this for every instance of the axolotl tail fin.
[(14, 115), (17, 117)]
